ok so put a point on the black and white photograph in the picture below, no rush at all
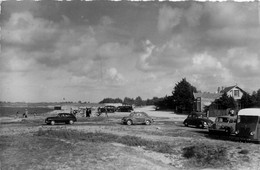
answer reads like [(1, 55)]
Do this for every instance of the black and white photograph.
[(122, 85)]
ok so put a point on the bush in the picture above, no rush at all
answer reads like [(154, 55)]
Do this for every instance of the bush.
[(205, 155), (106, 137)]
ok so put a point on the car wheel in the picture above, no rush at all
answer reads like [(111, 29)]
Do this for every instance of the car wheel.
[(147, 122), (227, 131), (201, 126), (129, 122), (52, 122), (71, 122), (186, 124)]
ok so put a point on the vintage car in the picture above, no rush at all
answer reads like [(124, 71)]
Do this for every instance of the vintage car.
[(199, 120), (108, 109), (223, 124), (248, 125), (137, 118), (125, 108), (67, 118)]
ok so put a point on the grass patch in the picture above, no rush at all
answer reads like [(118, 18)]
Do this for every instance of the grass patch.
[(206, 155), (75, 135)]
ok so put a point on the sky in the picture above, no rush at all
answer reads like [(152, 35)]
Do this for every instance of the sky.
[(55, 51)]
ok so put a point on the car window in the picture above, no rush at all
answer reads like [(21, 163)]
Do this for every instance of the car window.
[(231, 121)]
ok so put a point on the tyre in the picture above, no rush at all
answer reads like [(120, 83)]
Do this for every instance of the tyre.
[(129, 122), (201, 126), (186, 124), (52, 122), (147, 122), (71, 122), (227, 131)]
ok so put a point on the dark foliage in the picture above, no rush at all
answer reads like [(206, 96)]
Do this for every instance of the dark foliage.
[(225, 102), (183, 96)]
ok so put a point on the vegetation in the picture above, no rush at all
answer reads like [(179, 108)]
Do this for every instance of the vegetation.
[(225, 102), (182, 98), (206, 155), (182, 95), (138, 101), (106, 137), (253, 100)]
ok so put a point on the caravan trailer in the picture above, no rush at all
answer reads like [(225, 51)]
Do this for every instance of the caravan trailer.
[(248, 125)]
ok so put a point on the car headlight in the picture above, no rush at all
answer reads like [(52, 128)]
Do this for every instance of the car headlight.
[(252, 133), (205, 123), (237, 132)]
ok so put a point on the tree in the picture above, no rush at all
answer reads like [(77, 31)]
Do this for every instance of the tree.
[(247, 101), (164, 103), (225, 102), (110, 100), (129, 101), (182, 96), (138, 101)]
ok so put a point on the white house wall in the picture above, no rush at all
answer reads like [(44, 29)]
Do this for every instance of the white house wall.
[(232, 92)]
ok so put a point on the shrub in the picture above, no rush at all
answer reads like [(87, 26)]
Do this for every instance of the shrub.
[(205, 155), (244, 151)]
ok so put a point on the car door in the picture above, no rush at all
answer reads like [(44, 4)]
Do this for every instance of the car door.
[(139, 118), (194, 120)]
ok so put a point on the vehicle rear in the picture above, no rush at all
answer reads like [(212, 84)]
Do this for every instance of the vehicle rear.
[(248, 127)]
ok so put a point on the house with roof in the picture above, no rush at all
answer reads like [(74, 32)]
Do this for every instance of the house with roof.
[(204, 99), (235, 92)]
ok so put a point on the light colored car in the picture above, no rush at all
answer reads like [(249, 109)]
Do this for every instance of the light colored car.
[(224, 124), (137, 118)]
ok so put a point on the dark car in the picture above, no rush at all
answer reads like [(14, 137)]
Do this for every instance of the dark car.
[(125, 108), (226, 124), (67, 118), (108, 109), (197, 119), (137, 118)]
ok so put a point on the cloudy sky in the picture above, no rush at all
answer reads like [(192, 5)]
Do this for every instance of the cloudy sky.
[(88, 51)]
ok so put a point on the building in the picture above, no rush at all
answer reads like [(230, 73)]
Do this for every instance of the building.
[(235, 92), (204, 99)]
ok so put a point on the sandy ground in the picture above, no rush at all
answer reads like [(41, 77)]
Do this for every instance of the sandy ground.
[(167, 128)]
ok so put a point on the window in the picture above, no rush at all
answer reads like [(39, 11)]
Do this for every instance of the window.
[(236, 93)]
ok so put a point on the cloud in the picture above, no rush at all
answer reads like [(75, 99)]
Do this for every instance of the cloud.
[(30, 33), (168, 18), (113, 77), (243, 63)]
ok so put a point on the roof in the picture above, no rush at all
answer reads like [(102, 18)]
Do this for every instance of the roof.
[(249, 112), (227, 89), (207, 95)]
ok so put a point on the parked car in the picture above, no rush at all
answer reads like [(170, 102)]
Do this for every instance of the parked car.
[(223, 124), (110, 109), (67, 118), (137, 118), (125, 108), (197, 119), (248, 125)]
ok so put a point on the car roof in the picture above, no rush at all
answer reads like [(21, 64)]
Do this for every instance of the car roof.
[(249, 112), (227, 116), (197, 113)]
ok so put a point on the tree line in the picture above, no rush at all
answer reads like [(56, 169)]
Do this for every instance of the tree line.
[(182, 99), (138, 101)]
